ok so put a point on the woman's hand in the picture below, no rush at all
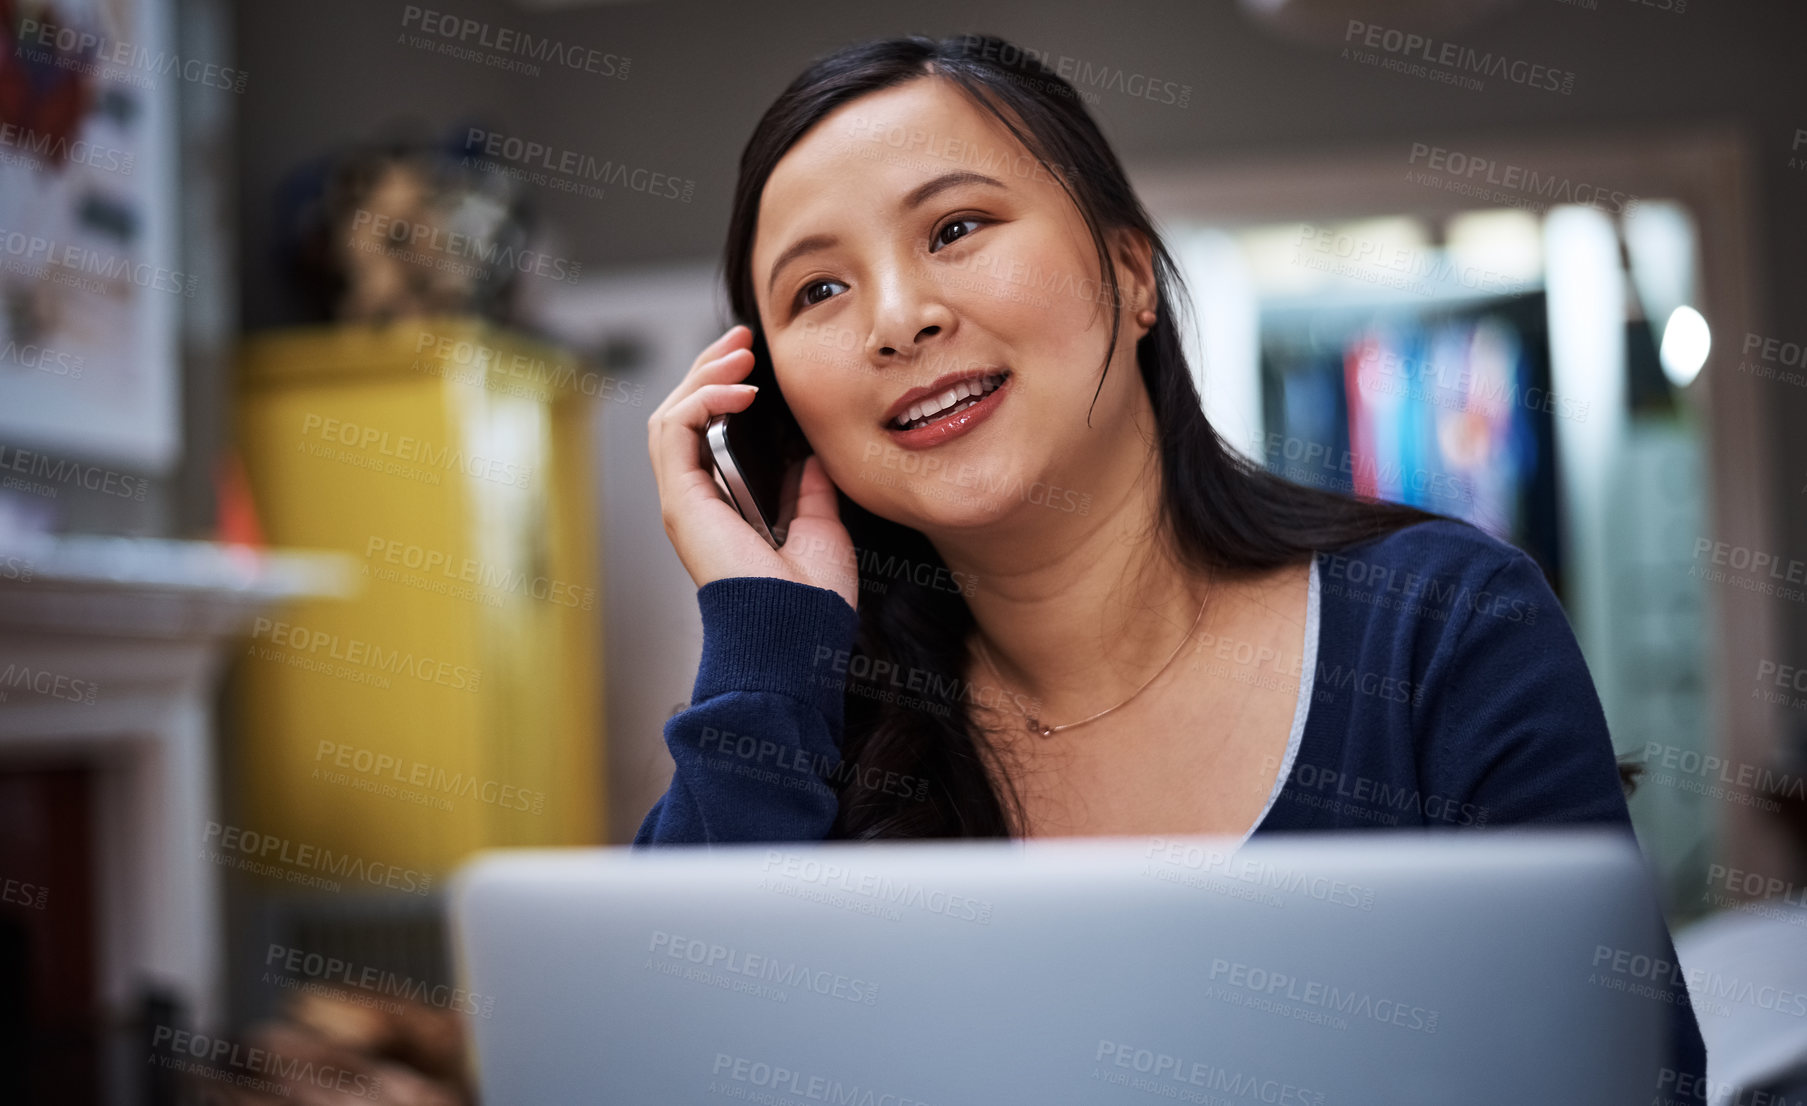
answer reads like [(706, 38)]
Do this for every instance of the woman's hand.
[(710, 537)]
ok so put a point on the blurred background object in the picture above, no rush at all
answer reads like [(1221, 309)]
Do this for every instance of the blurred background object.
[(91, 290), (454, 706), (335, 1044), (402, 230)]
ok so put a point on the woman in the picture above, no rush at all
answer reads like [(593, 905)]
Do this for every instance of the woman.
[(1060, 603)]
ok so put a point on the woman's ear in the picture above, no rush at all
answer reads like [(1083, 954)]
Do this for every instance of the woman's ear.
[(1133, 255)]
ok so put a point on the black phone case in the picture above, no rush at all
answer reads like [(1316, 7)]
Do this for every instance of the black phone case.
[(766, 433)]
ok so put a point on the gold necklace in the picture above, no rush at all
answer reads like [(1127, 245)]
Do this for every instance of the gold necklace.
[(1034, 724)]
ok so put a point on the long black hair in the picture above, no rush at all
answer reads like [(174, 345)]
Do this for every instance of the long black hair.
[(918, 772)]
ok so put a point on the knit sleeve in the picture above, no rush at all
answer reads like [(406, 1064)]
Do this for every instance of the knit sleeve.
[(1519, 731), (755, 751)]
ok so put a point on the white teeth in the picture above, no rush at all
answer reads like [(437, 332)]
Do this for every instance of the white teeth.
[(935, 405)]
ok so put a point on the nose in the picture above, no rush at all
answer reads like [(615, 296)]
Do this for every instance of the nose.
[(907, 312), (891, 351)]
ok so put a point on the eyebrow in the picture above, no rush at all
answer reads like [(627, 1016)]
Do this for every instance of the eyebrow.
[(917, 196)]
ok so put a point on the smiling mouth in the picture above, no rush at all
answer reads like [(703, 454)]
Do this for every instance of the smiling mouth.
[(950, 402)]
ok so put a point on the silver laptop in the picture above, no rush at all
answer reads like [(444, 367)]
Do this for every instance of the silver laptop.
[(1302, 970)]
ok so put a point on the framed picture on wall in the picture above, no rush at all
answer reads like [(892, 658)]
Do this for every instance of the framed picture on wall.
[(91, 278)]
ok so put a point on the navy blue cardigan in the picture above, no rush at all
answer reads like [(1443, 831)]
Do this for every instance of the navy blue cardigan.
[(1449, 690)]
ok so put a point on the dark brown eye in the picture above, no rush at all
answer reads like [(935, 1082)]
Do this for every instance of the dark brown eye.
[(942, 238), (807, 297)]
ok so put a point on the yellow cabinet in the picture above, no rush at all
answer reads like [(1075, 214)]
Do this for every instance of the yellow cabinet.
[(456, 702)]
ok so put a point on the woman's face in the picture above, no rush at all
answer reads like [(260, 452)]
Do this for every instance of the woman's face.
[(907, 238)]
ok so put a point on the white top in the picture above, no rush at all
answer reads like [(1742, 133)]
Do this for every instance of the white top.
[(1308, 669)]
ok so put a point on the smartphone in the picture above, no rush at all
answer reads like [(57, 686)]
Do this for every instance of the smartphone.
[(758, 454)]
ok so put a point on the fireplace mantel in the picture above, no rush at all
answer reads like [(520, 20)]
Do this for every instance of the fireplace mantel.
[(143, 625)]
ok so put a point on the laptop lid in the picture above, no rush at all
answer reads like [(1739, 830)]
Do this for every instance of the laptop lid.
[(1301, 969)]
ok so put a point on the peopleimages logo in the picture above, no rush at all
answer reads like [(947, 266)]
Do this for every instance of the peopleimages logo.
[(91, 477), (482, 574), (809, 767), (1310, 993), (384, 767), (963, 475), (1769, 888), (1303, 456), (769, 969), (221, 1059), (1377, 795), (381, 981), (258, 849), (776, 1079), (1467, 391), (408, 240), (1163, 1066), (473, 36), (1691, 762), (1462, 59), (57, 148), (76, 262), (24, 894), (1775, 350), (876, 568), (1655, 974), (45, 682), (1378, 262), (879, 888), (1314, 885), (468, 362), (942, 687), (573, 164), (1742, 558), (875, 133), (307, 645), (85, 52), (1083, 75), (44, 359), (1517, 178), (374, 441)]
